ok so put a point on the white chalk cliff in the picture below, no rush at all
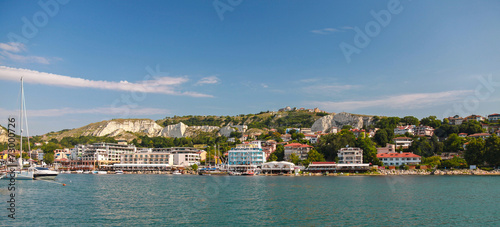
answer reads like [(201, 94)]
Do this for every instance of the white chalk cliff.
[(326, 123)]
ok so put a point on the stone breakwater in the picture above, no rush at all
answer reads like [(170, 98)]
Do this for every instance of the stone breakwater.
[(439, 172)]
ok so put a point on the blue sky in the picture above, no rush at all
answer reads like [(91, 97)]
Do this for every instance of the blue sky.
[(87, 61)]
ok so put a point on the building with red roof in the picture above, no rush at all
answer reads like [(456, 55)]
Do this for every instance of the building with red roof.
[(397, 159), (298, 149), (493, 117)]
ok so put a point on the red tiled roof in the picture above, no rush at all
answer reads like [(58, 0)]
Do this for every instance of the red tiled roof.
[(480, 134), (297, 145), (495, 114), (398, 155)]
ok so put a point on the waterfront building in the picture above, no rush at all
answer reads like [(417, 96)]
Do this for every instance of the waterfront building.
[(397, 159), (182, 156), (146, 156), (299, 149), (402, 142), (105, 153), (350, 155), (494, 117), (245, 157), (331, 167), (278, 167)]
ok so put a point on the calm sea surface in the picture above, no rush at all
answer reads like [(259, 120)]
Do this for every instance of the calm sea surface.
[(125, 200)]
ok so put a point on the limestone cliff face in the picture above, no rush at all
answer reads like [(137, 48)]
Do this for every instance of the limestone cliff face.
[(175, 131), (226, 131), (182, 130), (326, 123), (3, 135), (115, 127)]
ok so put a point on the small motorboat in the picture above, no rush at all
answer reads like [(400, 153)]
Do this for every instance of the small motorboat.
[(42, 173)]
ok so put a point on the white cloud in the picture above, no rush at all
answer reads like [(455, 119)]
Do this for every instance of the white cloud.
[(264, 85), (347, 28), (9, 50), (110, 111), (208, 80), (158, 85), (13, 47), (325, 31), (406, 101)]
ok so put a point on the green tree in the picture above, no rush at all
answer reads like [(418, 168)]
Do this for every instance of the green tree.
[(431, 161), (455, 162), (382, 137), (471, 127), (492, 152), (410, 120), (431, 121), (369, 151), (194, 167), (474, 152), (294, 159), (280, 152), (315, 156), (454, 143), (273, 157), (48, 158), (50, 147)]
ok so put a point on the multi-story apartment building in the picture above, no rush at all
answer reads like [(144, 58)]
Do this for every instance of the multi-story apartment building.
[(245, 157), (350, 155), (298, 149), (105, 153)]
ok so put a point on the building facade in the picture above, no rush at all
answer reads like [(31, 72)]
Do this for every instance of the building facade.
[(350, 155), (298, 149), (397, 159), (245, 157)]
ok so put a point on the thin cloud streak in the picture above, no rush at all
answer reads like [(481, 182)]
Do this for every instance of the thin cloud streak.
[(158, 85), (12, 51), (110, 111), (208, 80), (407, 101)]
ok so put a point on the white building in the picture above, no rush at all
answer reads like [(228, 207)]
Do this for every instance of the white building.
[(105, 153), (350, 155), (402, 142), (245, 157), (146, 157), (401, 130), (278, 167), (397, 159), (182, 156)]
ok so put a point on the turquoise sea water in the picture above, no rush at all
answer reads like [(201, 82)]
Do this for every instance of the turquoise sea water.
[(126, 200)]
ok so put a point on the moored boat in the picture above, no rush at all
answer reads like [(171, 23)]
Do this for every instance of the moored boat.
[(42, 173)]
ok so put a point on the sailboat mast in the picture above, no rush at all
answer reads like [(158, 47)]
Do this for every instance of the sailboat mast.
[(21, 126)]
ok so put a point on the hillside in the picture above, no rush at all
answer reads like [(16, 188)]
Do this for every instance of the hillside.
[(192, 126)]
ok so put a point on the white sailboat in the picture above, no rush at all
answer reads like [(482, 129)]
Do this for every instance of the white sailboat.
[(19, 174)]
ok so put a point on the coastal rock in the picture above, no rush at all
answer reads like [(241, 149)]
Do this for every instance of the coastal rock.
[(326, 123), (115, 127), (175, 131), (226, 131), (3, 135)]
